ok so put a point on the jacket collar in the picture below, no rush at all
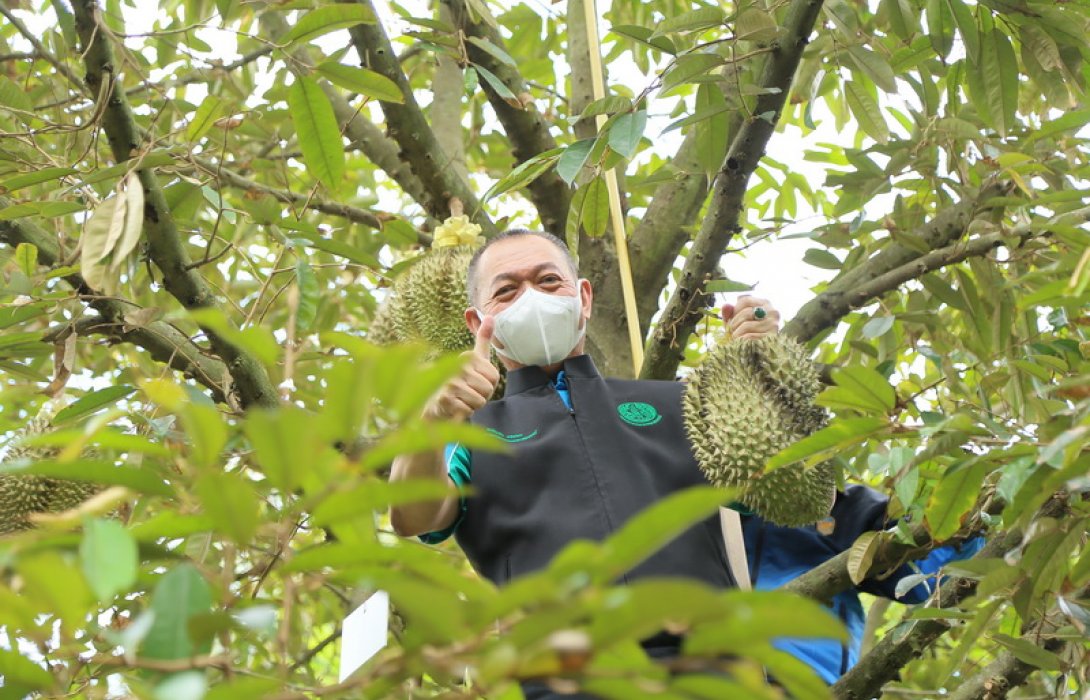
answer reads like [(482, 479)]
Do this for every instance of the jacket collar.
[(526, 378)]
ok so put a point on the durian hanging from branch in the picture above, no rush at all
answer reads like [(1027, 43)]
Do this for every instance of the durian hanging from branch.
[(748, 400), (428, 300)]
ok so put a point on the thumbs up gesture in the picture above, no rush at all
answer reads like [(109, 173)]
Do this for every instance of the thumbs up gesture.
[(472, 388)]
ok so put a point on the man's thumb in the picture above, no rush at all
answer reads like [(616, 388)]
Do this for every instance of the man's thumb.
[(484, 337)]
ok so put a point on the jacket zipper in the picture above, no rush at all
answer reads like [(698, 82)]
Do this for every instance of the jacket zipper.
[(586, 454)]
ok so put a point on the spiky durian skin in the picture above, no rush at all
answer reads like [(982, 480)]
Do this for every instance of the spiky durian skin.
[(24, 495), (747, 401), (382, 330), (432, 302)]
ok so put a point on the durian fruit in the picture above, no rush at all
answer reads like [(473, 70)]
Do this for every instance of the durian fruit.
[(431, 300), (23, 495), (748, 400)]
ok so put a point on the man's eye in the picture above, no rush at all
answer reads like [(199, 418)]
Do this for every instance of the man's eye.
[(550, 279)]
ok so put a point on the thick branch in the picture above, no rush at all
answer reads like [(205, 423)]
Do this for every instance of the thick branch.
[(162, 341), (445, 110), (524, 125), (164, 243), (685, 308), (409, 128), (882, 663)]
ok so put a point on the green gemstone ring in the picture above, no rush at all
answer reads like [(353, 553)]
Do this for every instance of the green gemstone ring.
[(759, 313)]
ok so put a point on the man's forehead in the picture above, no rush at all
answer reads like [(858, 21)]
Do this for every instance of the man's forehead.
[(521, 253)]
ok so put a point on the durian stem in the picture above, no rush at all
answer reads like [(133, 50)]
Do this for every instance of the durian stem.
[(616, 214)]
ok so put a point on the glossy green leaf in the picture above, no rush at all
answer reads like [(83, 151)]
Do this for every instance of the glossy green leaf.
[(20, 672), (874, 66), (493, 50), (689, 67), (328, 18), (96, 472), (837, 437), (90, 403), (626, 131), (498, 86), (361, 81), (211, 109), (951, 500), (524, 174), (38, 176), (318, 132), (1000, 68), (593, 207), (573, 159), (712, 133), (694, 20), (859, 388), (866, 110), (309, 293)]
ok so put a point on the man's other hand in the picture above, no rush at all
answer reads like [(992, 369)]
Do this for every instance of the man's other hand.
[(741, 318), (475, 385)]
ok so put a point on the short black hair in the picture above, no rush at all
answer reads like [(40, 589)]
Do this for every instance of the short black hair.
[(474, 263)]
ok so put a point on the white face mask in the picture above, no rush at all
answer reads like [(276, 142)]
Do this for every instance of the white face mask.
[(539, 329)]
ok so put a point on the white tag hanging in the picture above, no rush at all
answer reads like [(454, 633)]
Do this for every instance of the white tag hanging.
[(364, 633)]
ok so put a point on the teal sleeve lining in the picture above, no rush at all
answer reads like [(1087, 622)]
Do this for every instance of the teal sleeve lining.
[(460, 471)]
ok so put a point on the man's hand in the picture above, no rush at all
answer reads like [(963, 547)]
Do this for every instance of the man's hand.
[(474, 386), (742, 320)]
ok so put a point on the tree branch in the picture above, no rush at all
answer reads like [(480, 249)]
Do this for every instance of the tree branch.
[(409, 128), (882, 663), (164, 342), (874, 278), (164, 243), (685, 308), (524, 125)]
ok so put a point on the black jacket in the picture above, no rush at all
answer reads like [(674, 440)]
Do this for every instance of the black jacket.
[(581, 473)]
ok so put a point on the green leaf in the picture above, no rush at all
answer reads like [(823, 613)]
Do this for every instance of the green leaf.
[(309, 292), (878, 326), (287, 444), (498, 86), (761, 616), (96, 472), (824, 259), (688, 67), (524, 174), (940, 28), (180, 595), (727, 286), (713, 133), (26, 257), (626, 131), (838, 436), (646, 37), (493, 50), (755, 24), (572, 160), (205, 432), (20, 672), (651, 529), (377, 496), (694, 20), (17, 182), (328, 19), (50, 581), (362, 81), (859, 388), (109, 557), (89, 403), (211, 109), (1000, 74), (966, 24), (232, 504), (611, 104), (874, 66), (866, 110), (953, 497), (318, 131), (594, 207), (1028, 652)]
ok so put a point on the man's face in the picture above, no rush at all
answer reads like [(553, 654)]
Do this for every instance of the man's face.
[(510, 267)]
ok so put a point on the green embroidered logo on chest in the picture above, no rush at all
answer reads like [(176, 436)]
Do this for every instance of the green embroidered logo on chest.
[(638, 413), (514, 437)]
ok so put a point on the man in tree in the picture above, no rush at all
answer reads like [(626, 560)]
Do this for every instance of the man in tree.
[(587, 453)]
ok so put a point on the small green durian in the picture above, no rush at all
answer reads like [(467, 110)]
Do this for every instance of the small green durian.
[(747, 401)]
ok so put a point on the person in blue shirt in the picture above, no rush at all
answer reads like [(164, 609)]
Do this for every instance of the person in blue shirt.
[(778, 555)]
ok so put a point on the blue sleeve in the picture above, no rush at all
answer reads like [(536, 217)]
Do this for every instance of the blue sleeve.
[(935, 560), (460, 470)]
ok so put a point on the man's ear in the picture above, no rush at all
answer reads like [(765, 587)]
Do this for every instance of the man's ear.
[(586, 298), (473, 320)]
